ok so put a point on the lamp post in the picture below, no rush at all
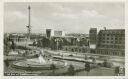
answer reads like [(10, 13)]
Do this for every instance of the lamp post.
[(57, 43)]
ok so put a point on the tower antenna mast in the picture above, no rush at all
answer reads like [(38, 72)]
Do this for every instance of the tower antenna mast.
[(29, 22)]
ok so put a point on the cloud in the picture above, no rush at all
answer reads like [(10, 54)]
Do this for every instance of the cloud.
[(76, 17), (66, 15), (82, 13), (88, 13), (15, 14), (19, 14)]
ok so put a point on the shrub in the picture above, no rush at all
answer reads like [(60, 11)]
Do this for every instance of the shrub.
[(71, 70)]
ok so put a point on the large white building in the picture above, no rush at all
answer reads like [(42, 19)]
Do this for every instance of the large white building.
[(54, 33)]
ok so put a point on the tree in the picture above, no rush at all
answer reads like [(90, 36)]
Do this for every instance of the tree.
[(6, 63), (87, 67), (71, 70), (13, 46), (53, 67), (7, 46), (107, 63), (52, 43), (86, 57), (124, 71), (94, 60), (34, 43), (116, 70)]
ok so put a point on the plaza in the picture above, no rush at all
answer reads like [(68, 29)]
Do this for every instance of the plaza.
[(64, 39)]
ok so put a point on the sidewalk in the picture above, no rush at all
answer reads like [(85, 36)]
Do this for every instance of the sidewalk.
[(78, 57), (116, 59)]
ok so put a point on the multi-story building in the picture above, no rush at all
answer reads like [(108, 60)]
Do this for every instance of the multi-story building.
[(110, 42), (54, 33), (93, 38), (17, 37)]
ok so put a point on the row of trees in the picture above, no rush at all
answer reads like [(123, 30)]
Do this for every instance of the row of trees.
[(57, 43), (8, 45), (53, 43), (71, 70)]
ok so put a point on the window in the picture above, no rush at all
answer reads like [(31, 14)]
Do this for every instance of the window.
[(115, 46), (107, 41), (118, 46), (103, 41), (113, 53)]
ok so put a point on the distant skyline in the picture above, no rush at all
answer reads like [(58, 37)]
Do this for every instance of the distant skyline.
[(76, 17)]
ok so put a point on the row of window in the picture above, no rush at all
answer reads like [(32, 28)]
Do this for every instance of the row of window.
[(93, 31), (115, 42), (112, 46), (111, 34), (93, 38), (110, 53), (22, 39), (117, 38)]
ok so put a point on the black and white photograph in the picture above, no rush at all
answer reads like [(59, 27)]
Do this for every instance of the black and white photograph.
[(64, 39)]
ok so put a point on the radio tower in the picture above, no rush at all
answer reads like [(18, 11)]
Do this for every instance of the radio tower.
[(29, 23)]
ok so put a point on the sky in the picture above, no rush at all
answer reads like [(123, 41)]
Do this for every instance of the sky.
[(71, 17)]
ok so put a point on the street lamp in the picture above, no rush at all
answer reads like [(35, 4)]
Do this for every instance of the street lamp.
[(57, 42)]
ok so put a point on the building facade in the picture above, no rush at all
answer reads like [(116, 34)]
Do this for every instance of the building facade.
[(93, 38), (17, 37), (54, 33), (111, 42)]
